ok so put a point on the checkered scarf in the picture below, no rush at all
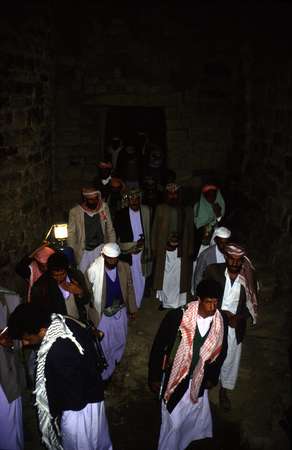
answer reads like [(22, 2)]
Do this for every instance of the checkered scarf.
[(183, 358), (49, 429)]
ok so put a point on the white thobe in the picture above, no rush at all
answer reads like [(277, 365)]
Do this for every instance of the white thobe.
[(86, 429), (188, 421), (11, 427), (230, 367), (115, 329), (170, 295), (88, 256), (136, 267), (219, 256)]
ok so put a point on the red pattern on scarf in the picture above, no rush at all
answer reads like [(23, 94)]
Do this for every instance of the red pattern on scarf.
[(183, 358)]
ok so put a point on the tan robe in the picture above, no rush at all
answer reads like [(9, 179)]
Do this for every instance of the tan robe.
[(160, 234)]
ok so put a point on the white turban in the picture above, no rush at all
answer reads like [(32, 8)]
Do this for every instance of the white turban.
[(112, 250), (222, 232)]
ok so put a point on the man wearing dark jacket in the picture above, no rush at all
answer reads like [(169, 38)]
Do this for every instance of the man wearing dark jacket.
[(239, 302), (185, 362), (61, 289), (69, 391)]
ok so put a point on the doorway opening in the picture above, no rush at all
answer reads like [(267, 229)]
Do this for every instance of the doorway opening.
[(131, 123)]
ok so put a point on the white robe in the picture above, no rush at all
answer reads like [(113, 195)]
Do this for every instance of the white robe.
[(88, 256), (113, 344), (230, 367), (170, 295), (11, 427), (136, 267), (86, 429)]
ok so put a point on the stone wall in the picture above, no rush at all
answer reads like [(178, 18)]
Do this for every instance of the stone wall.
[(267, 161), (25, 133), (145, 60)]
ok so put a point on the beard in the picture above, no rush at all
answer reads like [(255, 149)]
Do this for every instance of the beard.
[(92, 206)]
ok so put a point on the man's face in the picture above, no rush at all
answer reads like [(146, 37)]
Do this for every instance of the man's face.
[(33, 339), (59, 275), (211, 195), (134, 202), (234, 263), (172, 197), (208, 306), (110, 263), (42, 266), (221, 242), (92, 202), (104, 173)]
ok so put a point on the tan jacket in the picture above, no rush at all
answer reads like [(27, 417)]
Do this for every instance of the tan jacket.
[(127, 288), (159, 237), (76, 229)]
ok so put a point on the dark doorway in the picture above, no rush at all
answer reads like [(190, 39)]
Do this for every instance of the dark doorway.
[(128, 122)]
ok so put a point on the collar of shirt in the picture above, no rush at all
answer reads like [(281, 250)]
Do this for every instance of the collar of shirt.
[(65, 293), (112, 273)]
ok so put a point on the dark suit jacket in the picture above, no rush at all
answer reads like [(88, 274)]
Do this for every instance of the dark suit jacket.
[(46, 292), (217, 272), (163, 344), (72, 380)]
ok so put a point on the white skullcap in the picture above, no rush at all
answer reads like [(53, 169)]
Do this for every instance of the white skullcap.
[(222, 232), (111, 250)]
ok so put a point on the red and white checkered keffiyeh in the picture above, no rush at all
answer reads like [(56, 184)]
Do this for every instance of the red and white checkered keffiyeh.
[(183, 358)]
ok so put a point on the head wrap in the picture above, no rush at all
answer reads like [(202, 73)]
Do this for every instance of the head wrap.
[(90, 192), (41, 256), (222, 233), (209, 187), (246, 277), (105, 165), (111, 249), (172, 187), (234, 250)]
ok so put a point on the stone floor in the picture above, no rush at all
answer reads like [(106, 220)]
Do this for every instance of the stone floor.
[(259, 400)]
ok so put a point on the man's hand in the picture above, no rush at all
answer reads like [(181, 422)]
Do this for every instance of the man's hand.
[(132, 316), (217, 209), (72, 287), (154, 386), (5, 340), (233, 321), (232, 318)]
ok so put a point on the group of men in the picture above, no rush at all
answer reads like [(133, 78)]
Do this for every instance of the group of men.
[(77, 311)]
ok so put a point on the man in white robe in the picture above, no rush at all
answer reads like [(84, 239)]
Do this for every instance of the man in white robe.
[(69, 389), (185, 362), (237, 278), (211, 255), (11, 379), (114, 302), (132, 226)]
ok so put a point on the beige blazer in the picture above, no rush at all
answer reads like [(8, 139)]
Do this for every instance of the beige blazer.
[(76, 229)]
